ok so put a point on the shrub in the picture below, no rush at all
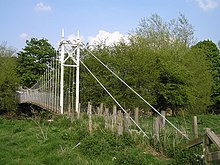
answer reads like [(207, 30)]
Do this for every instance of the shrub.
[(188, 156)]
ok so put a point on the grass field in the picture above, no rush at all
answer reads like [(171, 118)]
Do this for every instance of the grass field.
[(39, 141)]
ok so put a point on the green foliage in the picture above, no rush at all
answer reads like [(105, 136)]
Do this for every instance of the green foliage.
[(8, 78), (157, 63), (105, 144), (97, 145), (130, 157), (188, 156), (33, 60), (133, 69), (173, 82), (70, 143), (212, 53), (101, 147), (160, 34), (181, 69)]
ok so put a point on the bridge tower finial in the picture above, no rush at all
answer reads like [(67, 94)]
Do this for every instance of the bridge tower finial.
[(62, 33), (78, 36)]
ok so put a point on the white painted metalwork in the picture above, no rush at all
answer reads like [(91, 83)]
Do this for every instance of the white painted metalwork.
[(70, 50), (62, 54), (77, 72), (50, 92)]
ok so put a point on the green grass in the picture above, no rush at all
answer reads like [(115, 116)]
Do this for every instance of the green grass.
[(37, 141), (184, 123), (171, 142)]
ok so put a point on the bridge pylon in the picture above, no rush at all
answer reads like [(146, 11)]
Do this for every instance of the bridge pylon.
[(70, 50)]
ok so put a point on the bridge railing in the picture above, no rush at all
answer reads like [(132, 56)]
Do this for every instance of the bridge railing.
[(208, 138), (45, 100)]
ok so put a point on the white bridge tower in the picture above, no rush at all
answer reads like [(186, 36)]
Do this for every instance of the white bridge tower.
[(70, 50)]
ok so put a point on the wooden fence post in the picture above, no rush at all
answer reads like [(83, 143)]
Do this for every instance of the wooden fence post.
[(98, 111), (101, 109), (206, 145), (208, 138), (156, 129), (195, 127), (127, 122), (163, 121), (136, 115), (90, 117), (88, 108), (120, 123), (114, 118), (106, 118)]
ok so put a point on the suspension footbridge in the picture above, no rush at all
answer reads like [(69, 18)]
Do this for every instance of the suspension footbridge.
[(58, 88)]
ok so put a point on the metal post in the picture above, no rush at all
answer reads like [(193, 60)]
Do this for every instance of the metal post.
[(62, 73), (77, 73)]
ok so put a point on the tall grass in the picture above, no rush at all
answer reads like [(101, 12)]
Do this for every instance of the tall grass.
[(171, 142), (38, 141)]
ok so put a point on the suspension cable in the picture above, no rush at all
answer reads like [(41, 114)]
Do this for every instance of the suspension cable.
[(113, 98), (137, 94)]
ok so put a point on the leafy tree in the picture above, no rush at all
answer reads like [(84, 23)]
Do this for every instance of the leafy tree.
[(160, 34), (177, 64), (212, 53), (200, 82), (33, 60), (8, 78), (132, 64), (158, 63)]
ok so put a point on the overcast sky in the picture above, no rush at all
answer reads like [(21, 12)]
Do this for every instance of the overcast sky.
[(97, 19)]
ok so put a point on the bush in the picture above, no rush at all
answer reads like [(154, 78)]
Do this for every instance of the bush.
[(106, 144), (8, 78), (188, 156), (98, 144), (129, 157)]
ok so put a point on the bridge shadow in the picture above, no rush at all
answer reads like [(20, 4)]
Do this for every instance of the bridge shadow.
[(32, 110), (26, 110)]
